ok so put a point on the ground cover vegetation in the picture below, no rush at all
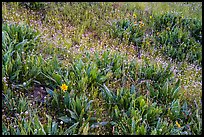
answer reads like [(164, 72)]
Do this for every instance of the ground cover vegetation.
[(115, 68)]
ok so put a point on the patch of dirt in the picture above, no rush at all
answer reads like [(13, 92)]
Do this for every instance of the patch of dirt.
[(37, 93)]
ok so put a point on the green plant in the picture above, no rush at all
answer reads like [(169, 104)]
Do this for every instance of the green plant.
[(132, 32), (79, 113), (18, 42), (90, 47), (33, 5), (180, 37)]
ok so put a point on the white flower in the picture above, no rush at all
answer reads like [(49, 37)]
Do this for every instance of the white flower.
[(24, 83), (26, 112), (61, 122), (4, 78)]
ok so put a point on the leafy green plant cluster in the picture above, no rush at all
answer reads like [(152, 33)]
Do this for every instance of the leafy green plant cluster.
[(178, 37), (131, 110), (127, 105), (33, 5), (27, 121), (100, 91), (126, 30), (18, 43), (141, 115), (21, 63)]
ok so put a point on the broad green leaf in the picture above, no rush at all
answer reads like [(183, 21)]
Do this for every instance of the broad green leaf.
[(67, 99), (65, 119), (176, 89), (102, 79), (142, 130), (108, 92), (54, 128), (57, 77), (133, 89), (116, 110), (175, 107), (81, 116), (47, 76), (113, 123), (96, 125), (55, 96), (78, 105), (71, 129), (73, 114), (133, 132), (88, 106), (49, 91), (20, 45), (49, 124)]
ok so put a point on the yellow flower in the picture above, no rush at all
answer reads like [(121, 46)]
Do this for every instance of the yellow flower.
[(134, 15), (150, 17), (168, 28), (178, 124), (157, 33), (64, 87)]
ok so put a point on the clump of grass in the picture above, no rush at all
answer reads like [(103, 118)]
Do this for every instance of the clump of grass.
[(18, 43), (179, 38), (33, 5)]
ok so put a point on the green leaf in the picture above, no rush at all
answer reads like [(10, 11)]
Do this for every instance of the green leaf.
[(133, 89), (108, 92), (142, 103), (176, 89), (88, 106), (78, 105), (86, 129), (73, 114), (57, 77), (96, 125), (55, 96), (42, 129), (81, 115), (20, 45), (71, 129), (151, 89), (175, 107), (158, 124), (113, 123), (185, 108), (116, 110), (54, 128), (94, 71), (67, 99), (133, 132), (102, 79), (49, 129), (48, 77), (23, 132), (142, 130), (65, 119), (49, 91)]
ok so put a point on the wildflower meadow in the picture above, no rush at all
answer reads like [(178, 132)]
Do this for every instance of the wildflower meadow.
[(101, 68)]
